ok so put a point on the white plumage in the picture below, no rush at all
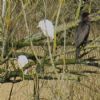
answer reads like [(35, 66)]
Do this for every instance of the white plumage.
[(47, 28), (22, 61)]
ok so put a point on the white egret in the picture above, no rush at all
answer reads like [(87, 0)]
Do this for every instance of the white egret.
[(22, 61), (47, 28)]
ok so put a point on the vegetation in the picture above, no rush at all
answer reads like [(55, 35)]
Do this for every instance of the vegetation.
[(19, 35)]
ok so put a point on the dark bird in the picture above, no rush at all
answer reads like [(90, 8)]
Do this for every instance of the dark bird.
[(86, 1), (82, 33)]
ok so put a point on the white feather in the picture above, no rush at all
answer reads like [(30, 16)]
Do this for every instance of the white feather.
[(22, 61), (47, 28)]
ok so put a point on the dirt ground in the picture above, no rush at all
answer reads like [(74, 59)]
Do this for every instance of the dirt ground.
[(71, 87)]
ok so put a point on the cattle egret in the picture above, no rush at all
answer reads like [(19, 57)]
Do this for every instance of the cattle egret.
[(47, 28), (22, 61), (82, 33)]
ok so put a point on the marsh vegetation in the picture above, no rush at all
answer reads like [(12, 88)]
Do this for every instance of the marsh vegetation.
[(52, 74)]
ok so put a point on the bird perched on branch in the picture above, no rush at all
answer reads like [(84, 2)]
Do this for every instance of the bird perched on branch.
[(47, 28), (22, 61), (82, 33)]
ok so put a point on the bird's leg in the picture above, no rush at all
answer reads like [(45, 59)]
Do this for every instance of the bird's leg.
[(77, 52), (51, 44), (83, 48)]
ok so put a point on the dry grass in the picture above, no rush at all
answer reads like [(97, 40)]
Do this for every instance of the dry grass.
[(74, 81)]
